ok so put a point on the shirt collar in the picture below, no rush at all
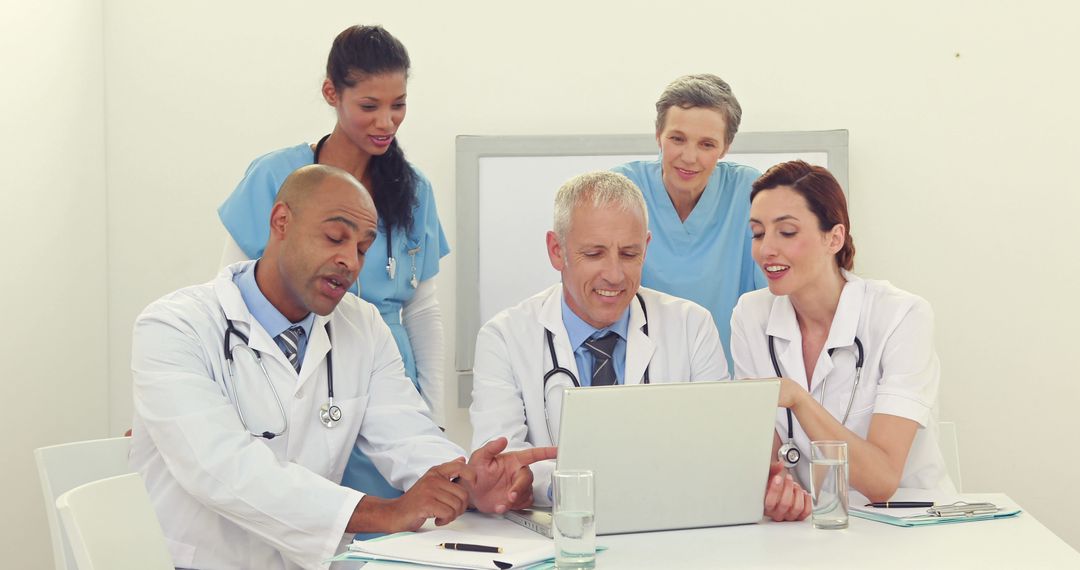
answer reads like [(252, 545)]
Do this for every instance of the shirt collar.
[(579, 331), (267, 315), (783, 323)]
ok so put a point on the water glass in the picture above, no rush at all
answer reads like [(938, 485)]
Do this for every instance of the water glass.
[(829, 483), (573, 515)]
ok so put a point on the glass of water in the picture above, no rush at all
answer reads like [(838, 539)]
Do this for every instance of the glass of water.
[(829, 483), (574, 520)]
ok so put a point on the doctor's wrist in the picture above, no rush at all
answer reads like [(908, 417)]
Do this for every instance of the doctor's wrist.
[(800, 399), (372, 514)]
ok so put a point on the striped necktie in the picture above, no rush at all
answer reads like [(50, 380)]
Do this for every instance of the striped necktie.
[(603, 349), (290, 344)]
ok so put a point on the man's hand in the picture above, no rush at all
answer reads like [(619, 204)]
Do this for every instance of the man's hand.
[(504, 480), (435, 495), (785, 500)]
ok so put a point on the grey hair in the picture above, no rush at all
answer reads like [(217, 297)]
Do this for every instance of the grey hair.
[(601, 188), (702, 90)]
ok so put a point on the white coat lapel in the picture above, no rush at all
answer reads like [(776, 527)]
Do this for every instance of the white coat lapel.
[(236, 311), (787, 339), (317, 348), (550, 318), (842, 333), (639, 346), (845, 322)]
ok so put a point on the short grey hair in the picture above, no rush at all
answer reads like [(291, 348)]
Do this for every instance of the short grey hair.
[(601, 188), (702, 90)]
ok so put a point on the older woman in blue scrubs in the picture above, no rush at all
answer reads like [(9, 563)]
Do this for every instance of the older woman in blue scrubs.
[(366, 75), (698, 206)]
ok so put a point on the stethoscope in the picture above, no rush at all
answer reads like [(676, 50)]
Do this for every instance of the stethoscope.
[(329, 413), (391, 262), (556, 369), (789, 453)]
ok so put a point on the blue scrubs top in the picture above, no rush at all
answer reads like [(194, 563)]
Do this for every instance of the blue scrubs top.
[(246, 214), (705, 259)]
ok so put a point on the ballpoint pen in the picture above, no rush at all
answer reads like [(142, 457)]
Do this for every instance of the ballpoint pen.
[(901, 504), (470, 547)]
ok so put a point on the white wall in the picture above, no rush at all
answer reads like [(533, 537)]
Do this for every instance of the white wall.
[(54, 385), (961, 115)]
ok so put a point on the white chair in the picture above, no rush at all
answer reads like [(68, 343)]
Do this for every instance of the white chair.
[(111, 525), (64, 467), (950, 450)]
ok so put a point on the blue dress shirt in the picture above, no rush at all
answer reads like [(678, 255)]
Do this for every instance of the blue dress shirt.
[(580, 331), (267, 315)]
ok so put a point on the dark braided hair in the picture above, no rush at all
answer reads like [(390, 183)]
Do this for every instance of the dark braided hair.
[(363, 51)]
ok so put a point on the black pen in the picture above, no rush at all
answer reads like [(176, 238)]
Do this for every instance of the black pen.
[(470, 547), (901, 504)]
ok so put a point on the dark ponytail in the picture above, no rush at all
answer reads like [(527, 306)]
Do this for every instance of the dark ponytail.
[(359, 52)]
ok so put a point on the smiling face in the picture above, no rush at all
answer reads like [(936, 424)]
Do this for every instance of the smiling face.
[(317, 247), (370, 112), (788, 244), (692, 142), (600, 260)]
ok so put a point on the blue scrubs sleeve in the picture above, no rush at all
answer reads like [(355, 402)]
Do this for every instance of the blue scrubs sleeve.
[(246, 212)]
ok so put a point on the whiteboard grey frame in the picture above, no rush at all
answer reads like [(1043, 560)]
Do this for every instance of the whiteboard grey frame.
[(470, 149)]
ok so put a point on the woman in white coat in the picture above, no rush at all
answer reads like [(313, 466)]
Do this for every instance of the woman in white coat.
[(856, 356)]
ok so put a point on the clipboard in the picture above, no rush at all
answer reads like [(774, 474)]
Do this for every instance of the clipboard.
[(957, 511), (421, 548)]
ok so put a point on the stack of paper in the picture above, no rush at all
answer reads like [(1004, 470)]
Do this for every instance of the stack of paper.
[(423, 548)]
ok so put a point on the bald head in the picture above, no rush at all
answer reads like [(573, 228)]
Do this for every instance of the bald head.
[(305, 183)]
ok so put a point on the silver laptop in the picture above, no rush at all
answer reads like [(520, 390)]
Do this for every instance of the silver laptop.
[(670, 456)]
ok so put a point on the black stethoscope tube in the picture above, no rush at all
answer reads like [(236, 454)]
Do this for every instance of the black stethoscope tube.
[(330, 414), (790, 420), (556, 369)]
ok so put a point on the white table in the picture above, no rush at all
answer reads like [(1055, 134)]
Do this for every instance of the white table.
[(1020, 542)]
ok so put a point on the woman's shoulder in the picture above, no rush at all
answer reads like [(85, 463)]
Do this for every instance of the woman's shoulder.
[(640, 171), (423, 184), (885, 299), (755, 305), (734, 173), (284, 160)]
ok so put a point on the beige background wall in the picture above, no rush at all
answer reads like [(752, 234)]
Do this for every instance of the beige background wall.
[(54, 386), (962, 118)]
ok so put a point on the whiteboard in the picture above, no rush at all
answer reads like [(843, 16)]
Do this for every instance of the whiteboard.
[(505, 197)]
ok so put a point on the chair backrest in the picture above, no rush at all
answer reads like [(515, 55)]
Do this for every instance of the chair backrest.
[(950, 450), (64, 467), (111, 525)]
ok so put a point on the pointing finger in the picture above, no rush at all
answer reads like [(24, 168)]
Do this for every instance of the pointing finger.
[(534, 454)]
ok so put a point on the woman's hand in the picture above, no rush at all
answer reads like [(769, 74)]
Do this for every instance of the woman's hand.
[(791, 393)]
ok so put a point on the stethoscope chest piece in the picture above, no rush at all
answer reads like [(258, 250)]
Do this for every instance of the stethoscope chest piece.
[(789, 455), (330, 414)]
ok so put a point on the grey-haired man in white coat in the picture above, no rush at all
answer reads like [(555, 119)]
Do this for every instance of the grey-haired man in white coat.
[(591, 330)]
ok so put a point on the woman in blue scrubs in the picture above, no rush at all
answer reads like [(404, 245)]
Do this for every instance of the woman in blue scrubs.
[(698, 206), (366, 76)]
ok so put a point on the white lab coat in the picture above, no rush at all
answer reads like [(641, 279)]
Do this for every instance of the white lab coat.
[(900, 372), (512, 356), (226, 499)]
